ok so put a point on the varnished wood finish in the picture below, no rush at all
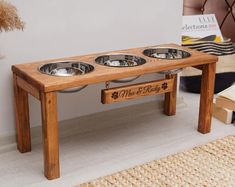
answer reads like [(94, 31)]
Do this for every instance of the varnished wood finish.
[(101, 73), (50, 135), (170, 97), (124, 93), (206, 98), (28, 88), (27, 79), (22, 118), (200, 67)]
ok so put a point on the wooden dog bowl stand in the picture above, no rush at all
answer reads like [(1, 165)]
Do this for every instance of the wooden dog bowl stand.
[(28, 80)]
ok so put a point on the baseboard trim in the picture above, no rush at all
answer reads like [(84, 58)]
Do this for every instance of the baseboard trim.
[(85, 124)]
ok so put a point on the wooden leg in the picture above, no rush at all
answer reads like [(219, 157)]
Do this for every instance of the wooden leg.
[(170, 97), (22, 118), (206, 98), (50, 135)]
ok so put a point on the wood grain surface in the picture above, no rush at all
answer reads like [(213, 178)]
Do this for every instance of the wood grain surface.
[(22, 118), (28, 88), (124, 93), (206, 97), (171, 97), (47, 83), (50, 135)]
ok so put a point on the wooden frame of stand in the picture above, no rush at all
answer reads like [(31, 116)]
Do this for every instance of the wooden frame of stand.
[(28, 80)]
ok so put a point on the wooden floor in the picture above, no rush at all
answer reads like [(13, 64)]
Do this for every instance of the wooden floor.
[(111, 142)]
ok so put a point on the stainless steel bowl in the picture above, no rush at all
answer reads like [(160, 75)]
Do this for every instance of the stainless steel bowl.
[(67, 69), (168, 54), (125, 80), (122, 61)]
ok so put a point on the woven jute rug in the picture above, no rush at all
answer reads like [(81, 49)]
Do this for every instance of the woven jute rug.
[(212, 164)]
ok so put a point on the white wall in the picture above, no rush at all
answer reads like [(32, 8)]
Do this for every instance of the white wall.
[(58, 28)]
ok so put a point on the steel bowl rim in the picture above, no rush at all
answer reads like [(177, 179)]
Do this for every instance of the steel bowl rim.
[(73, 90), (133, 78), (124, 54), (55, 62), (162, 47), (169, 72)]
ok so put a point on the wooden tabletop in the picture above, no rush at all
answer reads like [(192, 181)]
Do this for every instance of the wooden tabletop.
[(46, 83)]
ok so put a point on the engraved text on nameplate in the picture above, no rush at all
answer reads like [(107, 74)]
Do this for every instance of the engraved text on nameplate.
[(136, 90)]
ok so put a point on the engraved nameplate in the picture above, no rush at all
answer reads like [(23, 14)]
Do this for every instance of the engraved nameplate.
[(133, 91)]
